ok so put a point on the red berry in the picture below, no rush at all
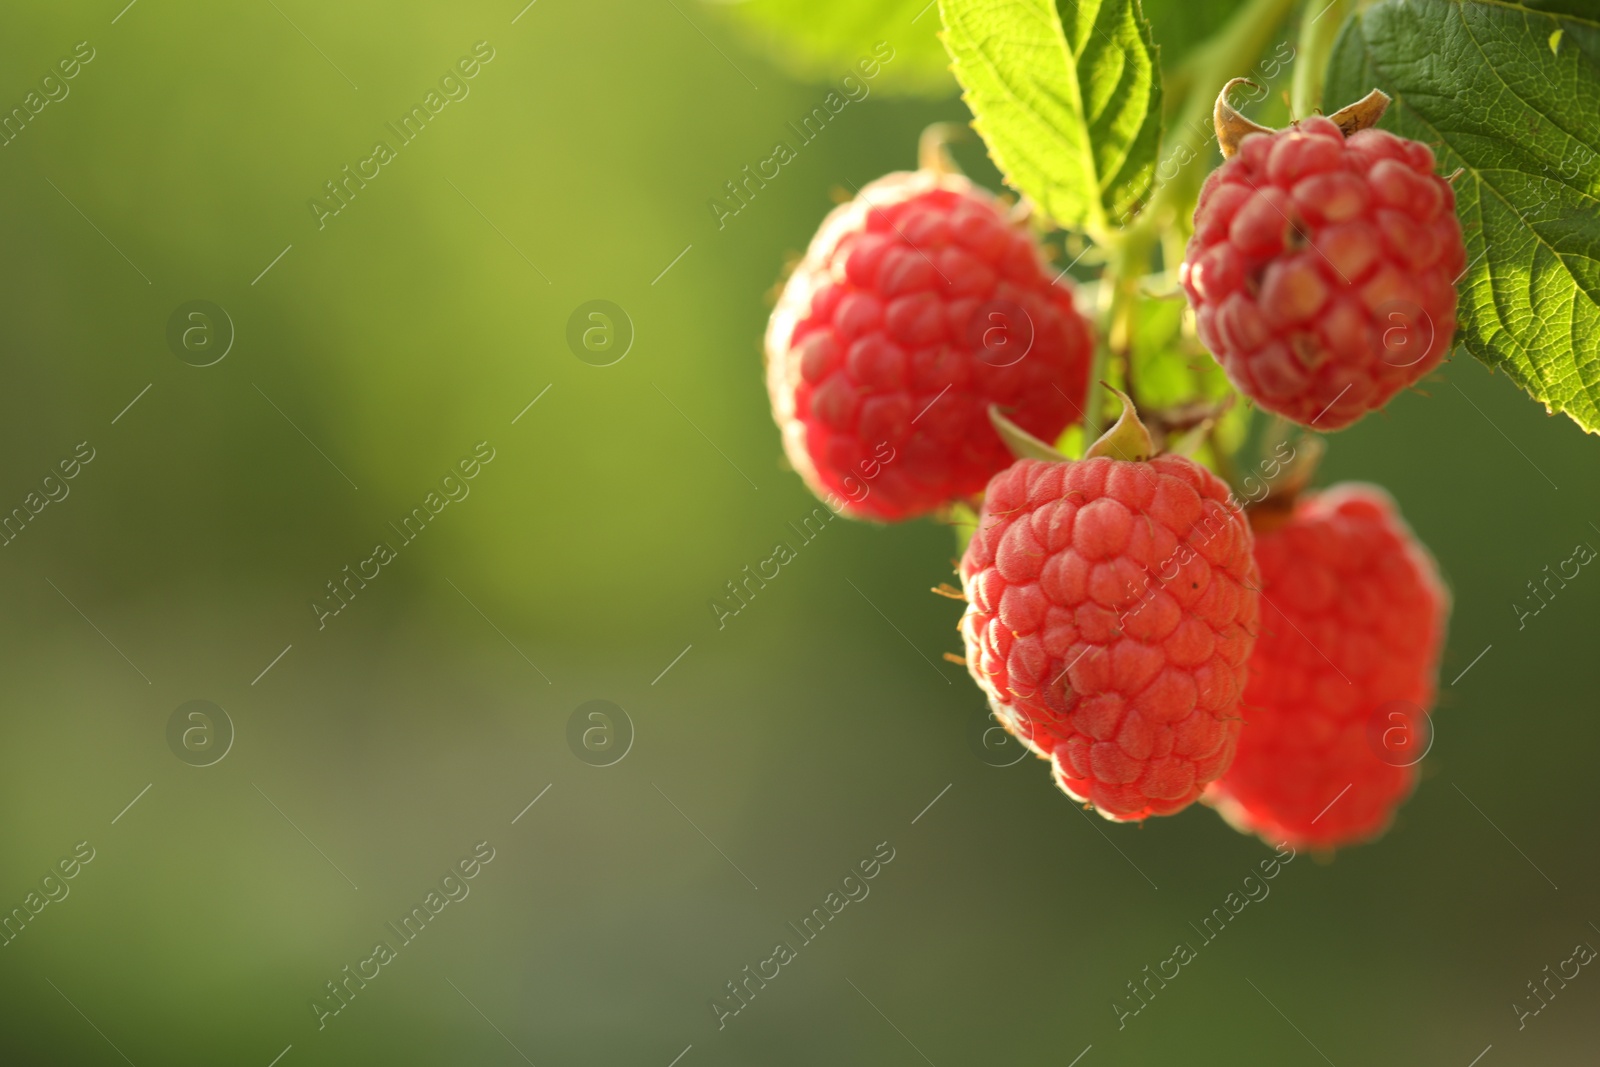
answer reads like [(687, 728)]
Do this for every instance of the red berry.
[(1322, 269), (1352, 617), (918, 305), (1112, 612)]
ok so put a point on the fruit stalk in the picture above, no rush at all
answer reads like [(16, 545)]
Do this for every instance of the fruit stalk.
[(1165, 218), (1318, 31), (1229, 53)]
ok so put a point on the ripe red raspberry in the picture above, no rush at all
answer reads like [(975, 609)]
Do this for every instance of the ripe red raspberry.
[(1322, 268), (1112, 612), (1352, 618), (918, 305)]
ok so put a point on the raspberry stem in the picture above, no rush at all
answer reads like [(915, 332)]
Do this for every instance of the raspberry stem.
[(1232, 50), (933, 147), (1165, 220), (1318, 31)]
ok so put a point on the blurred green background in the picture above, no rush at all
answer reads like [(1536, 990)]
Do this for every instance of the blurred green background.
[(768, 757)]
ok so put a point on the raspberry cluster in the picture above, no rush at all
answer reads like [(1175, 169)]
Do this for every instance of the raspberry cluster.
[(1127, 620)]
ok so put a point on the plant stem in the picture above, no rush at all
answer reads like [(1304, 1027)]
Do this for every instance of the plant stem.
[(1129, 252), (1317, 33), (1128, 267), (1229, 54), (1095, 398)]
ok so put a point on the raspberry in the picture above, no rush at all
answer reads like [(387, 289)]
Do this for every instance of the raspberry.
[(919, 304), (1353, 615), (1322, 268), (1112, 609)]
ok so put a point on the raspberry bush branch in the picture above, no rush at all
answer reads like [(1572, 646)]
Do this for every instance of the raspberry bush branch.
[(1128, 620)]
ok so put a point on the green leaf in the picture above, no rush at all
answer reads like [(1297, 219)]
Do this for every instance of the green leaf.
[(1068, 98), (822, 40), (1482, 84)]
